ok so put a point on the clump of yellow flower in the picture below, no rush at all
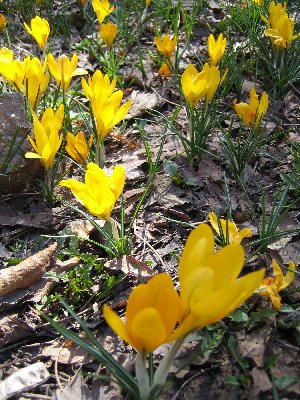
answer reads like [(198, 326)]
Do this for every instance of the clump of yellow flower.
[(39, 29), (200, 84), (47, 137), (210, 289), (99, 193), (2, 22), (230, 228), (253, 112), (106, 104), (216, 49), (280, 26), (102, 9), (108, 33), (77, 146), (29, 76), (63, 70), (166, 45), (271, 286)]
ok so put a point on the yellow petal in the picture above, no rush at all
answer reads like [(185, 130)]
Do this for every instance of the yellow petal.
[(116, 324), (148, 328), (199, 246)]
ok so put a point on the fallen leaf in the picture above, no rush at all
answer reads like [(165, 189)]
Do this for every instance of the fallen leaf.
[(130, 266), (76, 390), (73, 354), (23, 380)]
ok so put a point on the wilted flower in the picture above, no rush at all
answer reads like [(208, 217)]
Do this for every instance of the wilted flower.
[(271, 286), (253, 112), (2, 22), (108, 33), (210, 288), (83, 2), (148, 2), (102, 9), (46, 134), (99, 193), (230, 228), (166, 45), (39, 29), (63, 70), (164, 70), (152, 312), (77, 146), (216, 49), (38, 2)]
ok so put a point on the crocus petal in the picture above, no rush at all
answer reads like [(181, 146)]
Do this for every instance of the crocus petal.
[(115, 322), (199, 246)]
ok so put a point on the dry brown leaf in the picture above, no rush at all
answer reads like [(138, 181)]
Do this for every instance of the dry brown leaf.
[(12, 330), (130, 266), (27, 272), (64, 354)]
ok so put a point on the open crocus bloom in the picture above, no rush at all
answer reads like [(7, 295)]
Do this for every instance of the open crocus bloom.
[(209, 290), (234, 235), (63, 70), (77, 146), (253, 112), (210, 287), (271, 286), (99, 193), (102, 9), (151, 314), (166, 45)]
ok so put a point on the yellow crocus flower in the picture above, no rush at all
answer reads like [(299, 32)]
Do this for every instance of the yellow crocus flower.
[(6, 57), (234, 235), (216, 49), (98, 85), (280, 26), (164, 70), (253, 112), (77, 146), (271, 286), (193, 86), (102, 9), (210, 287), (39, 29), (166, 45), (99, 193), (46, 134), (108, 33), (213, 79), (63, 70), (108, 112), (152, 312), (2, 22), (36, 80), (282, 34), (148, 2)]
